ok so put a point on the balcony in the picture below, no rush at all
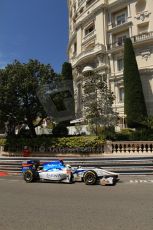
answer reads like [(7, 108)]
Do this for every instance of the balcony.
[(89, 36), (99, 48), (145, 37), (89, 10), (116, 44), (117, 27), (118, 24)]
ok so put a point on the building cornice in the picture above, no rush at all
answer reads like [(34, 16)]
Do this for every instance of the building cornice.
[(147, 70), (118, 3)]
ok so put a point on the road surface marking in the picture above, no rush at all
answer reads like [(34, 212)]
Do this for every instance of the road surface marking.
[(3, 174), (140, 181)]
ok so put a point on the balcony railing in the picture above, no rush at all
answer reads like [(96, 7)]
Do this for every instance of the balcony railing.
[(115, 44), (135, 39), (89, 35), (114, 24), (132, 147), (85, 53), (142, 37)]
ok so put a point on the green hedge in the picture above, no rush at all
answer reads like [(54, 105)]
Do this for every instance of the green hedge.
[(79, 141), (138, 135)]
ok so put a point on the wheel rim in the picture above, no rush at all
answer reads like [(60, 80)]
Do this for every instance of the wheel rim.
[(28, 176), (90, 178)]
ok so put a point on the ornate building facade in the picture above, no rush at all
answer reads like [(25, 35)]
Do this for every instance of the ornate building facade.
[(97, 30)]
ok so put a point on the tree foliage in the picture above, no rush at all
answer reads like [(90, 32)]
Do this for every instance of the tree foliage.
[(134, 102), (19, 102), (148, 123), (67, 81), (98, 100), (60, 130), (67, 71)]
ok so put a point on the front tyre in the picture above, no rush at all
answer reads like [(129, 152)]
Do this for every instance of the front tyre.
[(29, 176), (90, 178)]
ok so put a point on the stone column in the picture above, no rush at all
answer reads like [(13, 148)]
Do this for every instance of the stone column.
[(108, 147)]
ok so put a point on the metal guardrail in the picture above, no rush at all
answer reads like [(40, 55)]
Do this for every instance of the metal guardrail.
[(124, 165)]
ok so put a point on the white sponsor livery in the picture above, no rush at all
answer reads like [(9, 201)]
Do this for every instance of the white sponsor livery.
[(58, 171)]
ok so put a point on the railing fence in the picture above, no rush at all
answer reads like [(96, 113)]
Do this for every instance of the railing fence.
[(120, 147)]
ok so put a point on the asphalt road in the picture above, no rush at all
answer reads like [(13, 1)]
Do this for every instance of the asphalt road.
[(48, 206)]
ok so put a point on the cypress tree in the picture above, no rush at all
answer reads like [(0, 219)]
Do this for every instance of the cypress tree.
[(67, 81), (134, 102), (67, 71)]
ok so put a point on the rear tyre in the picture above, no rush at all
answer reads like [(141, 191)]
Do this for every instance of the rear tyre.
[(29, 176), (71, 179), (90, 178), (36, 164)]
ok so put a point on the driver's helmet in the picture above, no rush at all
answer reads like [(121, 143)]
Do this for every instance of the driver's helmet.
[(68, 166), (61, 161)]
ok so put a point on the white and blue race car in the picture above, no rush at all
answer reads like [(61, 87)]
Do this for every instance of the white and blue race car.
[(57, 171)]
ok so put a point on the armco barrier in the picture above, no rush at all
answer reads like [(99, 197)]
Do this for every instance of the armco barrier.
[(126, 165)]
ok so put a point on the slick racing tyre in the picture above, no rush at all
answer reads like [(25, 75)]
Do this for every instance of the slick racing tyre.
[(71, 179), (90, 178), (36, 164), (29, 176)]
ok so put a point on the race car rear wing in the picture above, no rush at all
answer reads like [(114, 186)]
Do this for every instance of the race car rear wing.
[(30, 164)]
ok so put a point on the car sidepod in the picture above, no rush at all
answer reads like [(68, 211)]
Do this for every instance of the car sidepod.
[(59, 175)]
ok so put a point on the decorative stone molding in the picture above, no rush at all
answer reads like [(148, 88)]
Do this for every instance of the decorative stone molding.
[(75, 93), (79, 69), (146, 54), (98, 48), (146, 71), (119, 83), (100, 59), (75, 73), (142, 15), (90, 15)]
